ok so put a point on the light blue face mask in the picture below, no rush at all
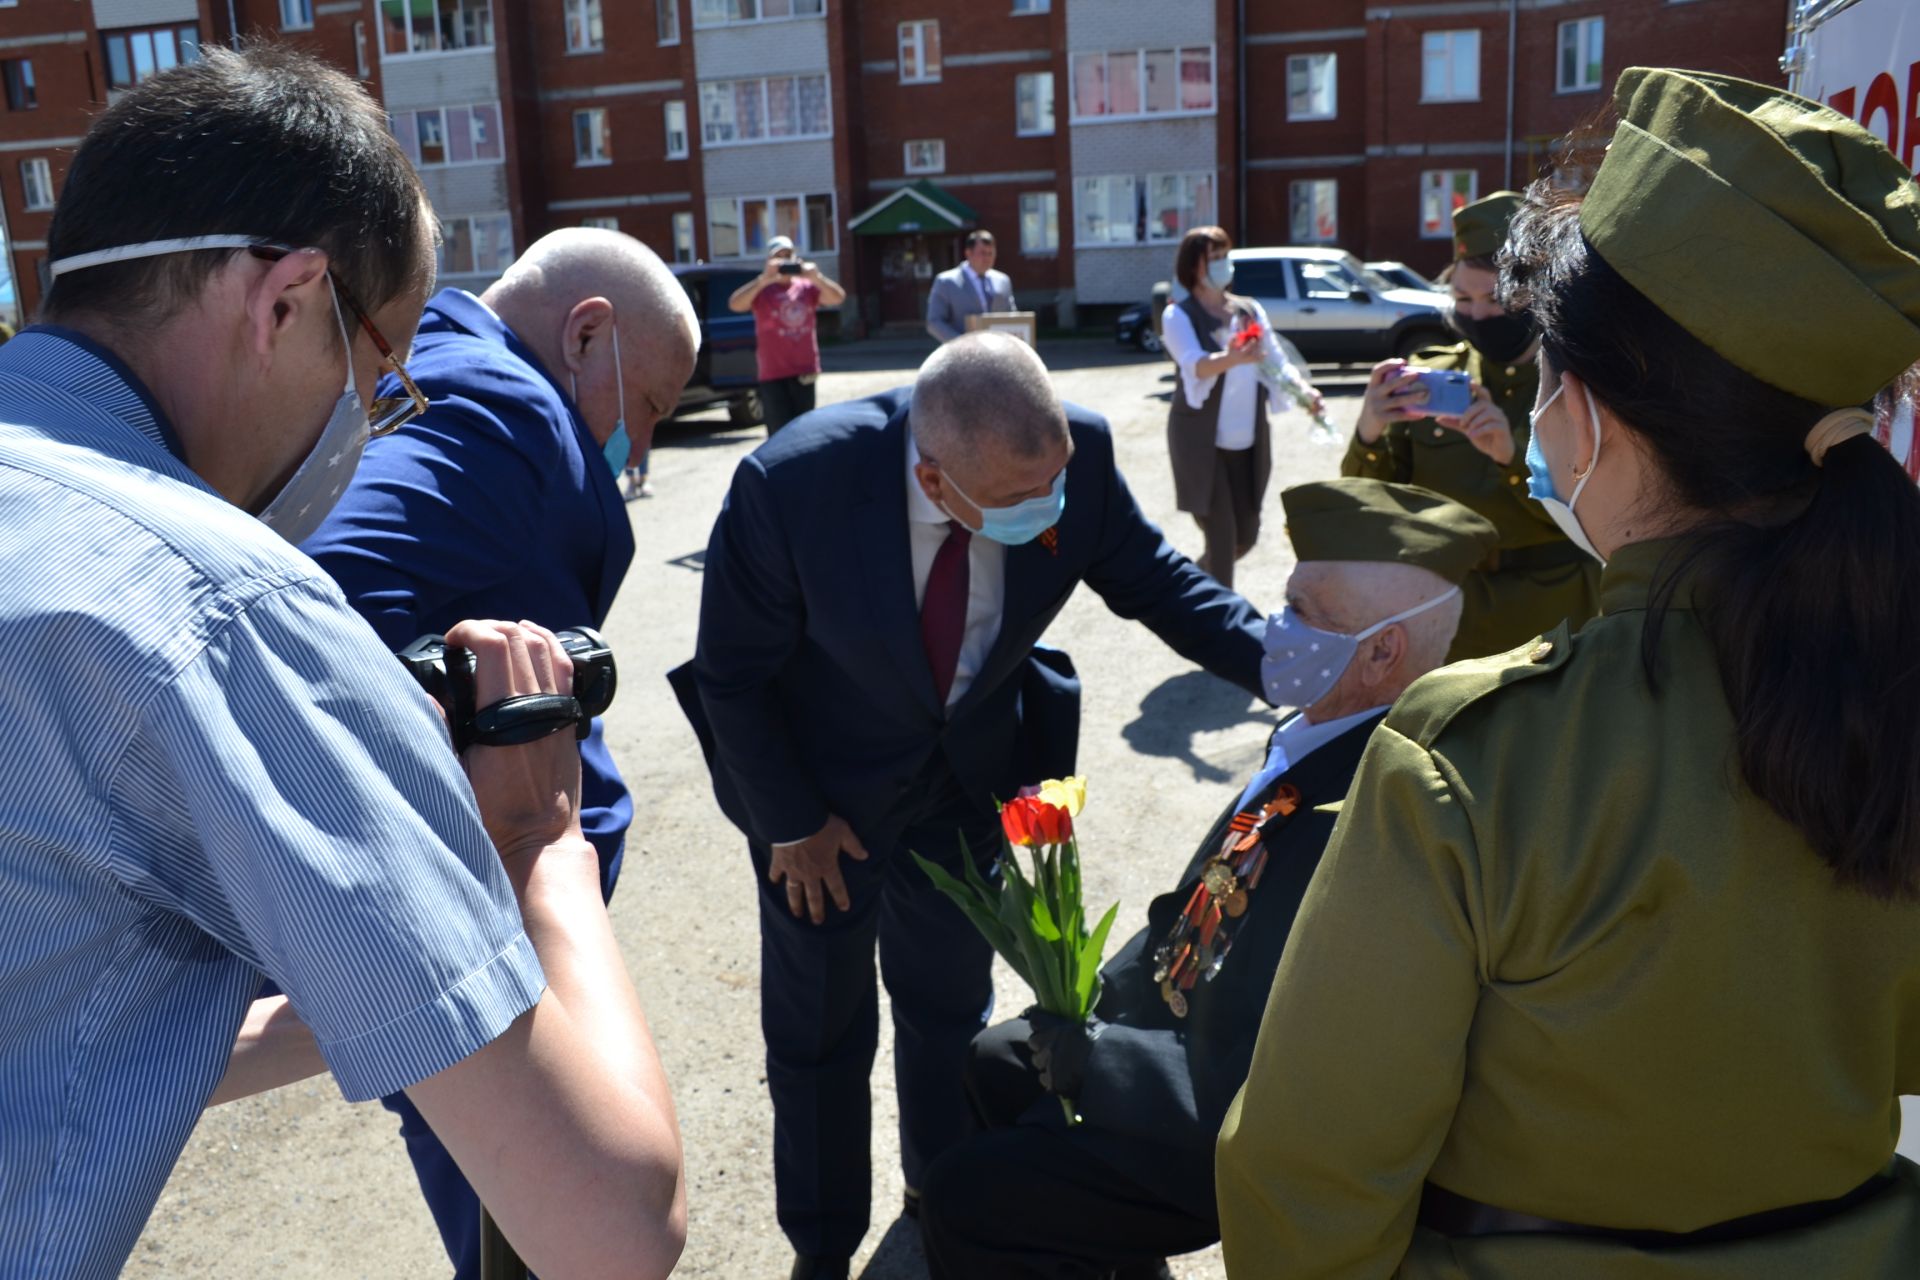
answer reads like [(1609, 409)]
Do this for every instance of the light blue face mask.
[(1022, 522), (1220, 273), (618, 447), (1302, 662), (1540, 486)]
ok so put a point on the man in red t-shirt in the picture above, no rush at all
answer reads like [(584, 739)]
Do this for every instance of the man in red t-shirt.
[(783, 299)]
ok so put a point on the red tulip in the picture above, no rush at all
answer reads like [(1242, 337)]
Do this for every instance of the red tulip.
[(1030, 821), (1248, 336)]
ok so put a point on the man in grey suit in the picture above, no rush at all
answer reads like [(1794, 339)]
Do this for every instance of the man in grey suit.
[(972, 288)]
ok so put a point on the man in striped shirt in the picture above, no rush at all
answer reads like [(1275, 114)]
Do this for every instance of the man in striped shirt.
[(211, 768)]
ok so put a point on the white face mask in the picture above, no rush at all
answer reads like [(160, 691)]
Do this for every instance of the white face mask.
[(1540, 486)]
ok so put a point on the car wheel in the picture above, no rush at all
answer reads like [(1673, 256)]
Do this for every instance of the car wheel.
[(1149, 342), (1415, 339), (744, 411)]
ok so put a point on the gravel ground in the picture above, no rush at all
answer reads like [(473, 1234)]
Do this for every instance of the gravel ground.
[(297, 1185)]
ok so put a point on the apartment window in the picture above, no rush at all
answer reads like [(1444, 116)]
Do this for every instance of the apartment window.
[(132, 56), (1581, 52), (1107, 210), (1177, 201), (601, 224), (726, 13), (683, 237), (666, 20), (1311, 86), (676, 113), (585, 31), (1039, 223), (1450, 66), (919, 52), (741, 226), (451, 135), (1032, 6), (436, 26), (21, 94), (36, 180), (476, 244), (1143, 82), (1313, 209), (927, 155), (1033, 104), (1441, 192), (296, 15), (739, 111), (592, 140)]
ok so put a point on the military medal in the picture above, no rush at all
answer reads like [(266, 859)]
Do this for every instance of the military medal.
[(1197, 945)]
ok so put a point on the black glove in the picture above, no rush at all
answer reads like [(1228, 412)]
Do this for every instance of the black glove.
[(1060, 1050)]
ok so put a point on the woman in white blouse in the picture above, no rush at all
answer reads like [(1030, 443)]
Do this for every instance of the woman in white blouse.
[(1217, 434)]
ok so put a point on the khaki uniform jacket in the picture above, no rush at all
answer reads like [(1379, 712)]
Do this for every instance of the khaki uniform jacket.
[(1559, 960), (1542, 579)]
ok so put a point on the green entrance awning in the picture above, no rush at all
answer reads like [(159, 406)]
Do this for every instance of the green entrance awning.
[(917, 207)]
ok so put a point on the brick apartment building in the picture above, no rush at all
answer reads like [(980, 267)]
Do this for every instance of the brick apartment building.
[(1087, 134)]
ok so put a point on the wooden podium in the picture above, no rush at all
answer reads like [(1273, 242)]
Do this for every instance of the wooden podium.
[(1019, 324)]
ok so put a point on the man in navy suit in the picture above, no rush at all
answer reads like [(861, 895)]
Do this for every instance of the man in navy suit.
[(875, 587), (502, 501)]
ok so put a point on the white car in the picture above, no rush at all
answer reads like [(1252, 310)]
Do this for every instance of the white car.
[(1334, 309)]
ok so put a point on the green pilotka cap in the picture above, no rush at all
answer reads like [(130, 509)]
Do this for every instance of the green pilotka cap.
[(1355, 519), (1775, 230), (1480, 228)]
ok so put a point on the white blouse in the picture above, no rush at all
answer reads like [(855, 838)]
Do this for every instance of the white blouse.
[(1239, 399)]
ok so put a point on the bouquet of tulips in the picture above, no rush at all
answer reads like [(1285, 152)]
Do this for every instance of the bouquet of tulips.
[(1286, 378), (1038, 924)]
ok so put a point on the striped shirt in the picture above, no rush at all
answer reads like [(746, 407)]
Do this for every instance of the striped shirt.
[(210, 770)]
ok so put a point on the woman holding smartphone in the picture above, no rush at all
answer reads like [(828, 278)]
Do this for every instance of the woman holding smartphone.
[(1477, 457)]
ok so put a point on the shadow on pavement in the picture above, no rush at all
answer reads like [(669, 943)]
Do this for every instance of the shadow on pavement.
[(1191, 703), (899, 1256)]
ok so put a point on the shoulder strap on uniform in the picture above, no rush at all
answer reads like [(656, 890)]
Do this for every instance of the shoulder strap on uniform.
[(1427, 707)]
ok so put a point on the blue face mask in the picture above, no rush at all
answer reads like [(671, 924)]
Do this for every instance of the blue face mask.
[(1302, 662), (618, 447), (1540, 486), (1022, 522)]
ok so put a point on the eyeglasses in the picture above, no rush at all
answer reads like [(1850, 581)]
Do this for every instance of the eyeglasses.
[(386, 414)]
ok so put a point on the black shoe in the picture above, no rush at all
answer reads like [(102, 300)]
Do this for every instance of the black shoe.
[(1145, 1271), (911, 1209), (808, 1267)]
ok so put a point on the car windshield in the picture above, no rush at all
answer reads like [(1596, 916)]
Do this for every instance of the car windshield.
[(1372, 279)]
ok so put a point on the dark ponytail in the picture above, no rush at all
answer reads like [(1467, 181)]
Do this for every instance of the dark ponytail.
[(1806, 578)]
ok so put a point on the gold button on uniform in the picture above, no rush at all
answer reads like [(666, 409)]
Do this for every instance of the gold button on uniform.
[(1513, 479), (1541, 652), (1511, 371), (1438, 432), (1373, 457)]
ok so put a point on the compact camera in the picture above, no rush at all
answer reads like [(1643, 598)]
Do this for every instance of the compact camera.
[(446, 673), (1449, 391), (792, 267)]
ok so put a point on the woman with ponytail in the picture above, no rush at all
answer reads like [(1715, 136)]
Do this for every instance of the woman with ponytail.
[(1612, 967)]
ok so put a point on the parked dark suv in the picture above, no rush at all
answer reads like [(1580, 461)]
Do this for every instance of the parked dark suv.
[(727, 371)]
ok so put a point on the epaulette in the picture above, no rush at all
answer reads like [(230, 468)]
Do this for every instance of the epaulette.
[(1451, 351), (1432, 701)]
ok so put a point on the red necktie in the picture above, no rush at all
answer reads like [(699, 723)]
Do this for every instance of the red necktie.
[(943, 610)]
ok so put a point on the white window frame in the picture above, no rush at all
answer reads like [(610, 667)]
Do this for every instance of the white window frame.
[(590, 13), (913, 36), (708, 142), (1048, 211), (1311, 187), (362, 67), (1302, 64), (759, 14), (1134, 186), (683, 222), (1139, 59), (1051, 104), (803, 243), (601, 222), (446, 133), (1452, 39), (666, 21), (1589, 38), (446, 224), (1188, 177), (291, 23), (604, 138), (667, 112), (42, 171), (387, 55), (936, 164), (1439, 182)]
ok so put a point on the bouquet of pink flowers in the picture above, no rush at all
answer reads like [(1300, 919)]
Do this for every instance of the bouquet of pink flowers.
[(1038, 925)]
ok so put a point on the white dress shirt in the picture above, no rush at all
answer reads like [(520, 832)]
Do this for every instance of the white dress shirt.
[(1238, 400), (986, 577), (1295, 740)]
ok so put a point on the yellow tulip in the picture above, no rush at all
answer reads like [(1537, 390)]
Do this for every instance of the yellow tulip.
[(1068, 793)]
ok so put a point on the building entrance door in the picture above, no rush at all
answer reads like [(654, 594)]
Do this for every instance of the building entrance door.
[(907, 268)]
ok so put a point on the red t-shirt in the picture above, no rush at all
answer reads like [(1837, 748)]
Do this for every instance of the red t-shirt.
[(783, 329)]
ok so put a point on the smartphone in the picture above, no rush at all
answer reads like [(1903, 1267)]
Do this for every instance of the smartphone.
[(792, 268), (1449, 391)]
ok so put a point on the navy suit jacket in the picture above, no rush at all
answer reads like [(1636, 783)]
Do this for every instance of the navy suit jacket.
[(814, 687), (496, 503)]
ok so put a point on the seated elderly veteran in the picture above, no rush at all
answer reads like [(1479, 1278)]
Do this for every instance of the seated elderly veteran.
[(1372, 606)]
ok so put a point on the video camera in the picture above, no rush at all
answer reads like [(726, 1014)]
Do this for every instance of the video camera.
[(446, 673)]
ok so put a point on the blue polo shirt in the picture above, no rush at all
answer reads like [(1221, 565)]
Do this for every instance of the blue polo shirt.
[(211, 769), (496, 503)]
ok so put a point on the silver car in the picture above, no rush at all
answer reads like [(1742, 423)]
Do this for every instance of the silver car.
[(1336, 310)]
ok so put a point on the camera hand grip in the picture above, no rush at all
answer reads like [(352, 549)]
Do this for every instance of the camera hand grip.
[(528, 718)]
